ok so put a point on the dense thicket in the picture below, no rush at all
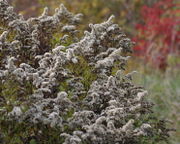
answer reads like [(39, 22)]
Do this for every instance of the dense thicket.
[(71, 90)]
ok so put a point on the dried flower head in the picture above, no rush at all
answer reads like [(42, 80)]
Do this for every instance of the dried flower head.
[(76, 89)]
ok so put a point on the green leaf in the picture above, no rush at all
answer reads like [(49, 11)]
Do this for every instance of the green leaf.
[(33, 141)]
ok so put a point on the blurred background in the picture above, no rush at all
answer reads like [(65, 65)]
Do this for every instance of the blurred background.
[(154, 25)]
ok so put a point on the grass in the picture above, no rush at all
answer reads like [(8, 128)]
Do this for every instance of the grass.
[(165, 93)]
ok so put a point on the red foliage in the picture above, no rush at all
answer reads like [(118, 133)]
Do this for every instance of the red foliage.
[(159, 35)]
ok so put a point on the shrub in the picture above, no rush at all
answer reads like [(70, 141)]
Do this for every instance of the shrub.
[(126, 12), (69, 90), (158, 35)]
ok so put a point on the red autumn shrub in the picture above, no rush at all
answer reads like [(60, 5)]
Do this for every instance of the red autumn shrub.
[(158, 34)]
